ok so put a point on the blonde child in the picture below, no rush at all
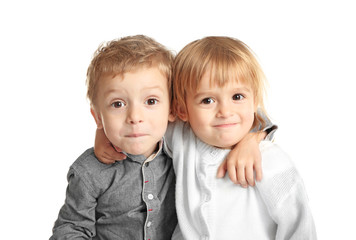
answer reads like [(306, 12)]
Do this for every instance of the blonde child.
[(218, 87), (129, 86)]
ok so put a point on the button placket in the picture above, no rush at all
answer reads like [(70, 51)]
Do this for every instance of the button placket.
[(148, 198)]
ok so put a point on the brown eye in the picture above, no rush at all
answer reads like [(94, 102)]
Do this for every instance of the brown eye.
[(237, 97), (118, 104), (207, 101), (151, 101)]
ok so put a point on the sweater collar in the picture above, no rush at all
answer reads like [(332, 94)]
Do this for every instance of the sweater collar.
[(211, 155)]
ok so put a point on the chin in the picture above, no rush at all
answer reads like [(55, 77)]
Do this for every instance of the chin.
[(226, 144), (136, 152), (220, 145)]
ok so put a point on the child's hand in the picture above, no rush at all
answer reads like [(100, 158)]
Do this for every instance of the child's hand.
[(104, 150), (243, 159)]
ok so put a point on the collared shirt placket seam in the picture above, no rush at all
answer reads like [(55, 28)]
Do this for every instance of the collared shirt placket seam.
[(147, 179), (150, 210)]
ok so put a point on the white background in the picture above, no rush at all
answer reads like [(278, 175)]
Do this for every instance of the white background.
[(306, 48)]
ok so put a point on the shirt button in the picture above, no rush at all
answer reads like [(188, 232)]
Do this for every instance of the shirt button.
[(150, 196), (149, 224)]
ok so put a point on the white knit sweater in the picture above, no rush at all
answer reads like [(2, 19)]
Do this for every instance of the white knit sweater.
[(211, 208)]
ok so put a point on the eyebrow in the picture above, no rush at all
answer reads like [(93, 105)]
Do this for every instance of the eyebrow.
[(211, 91), (114, 90)]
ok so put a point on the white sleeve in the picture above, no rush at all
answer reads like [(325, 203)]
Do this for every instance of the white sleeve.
[(283, 192), (168, 139), (177, 234)]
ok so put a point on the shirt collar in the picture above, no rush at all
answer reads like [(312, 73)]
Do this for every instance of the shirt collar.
[(142, 158)]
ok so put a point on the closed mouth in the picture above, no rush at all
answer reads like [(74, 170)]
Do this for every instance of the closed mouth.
[(225, 125), (135, 135)]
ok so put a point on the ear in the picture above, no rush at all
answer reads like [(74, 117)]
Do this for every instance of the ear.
[(255, 108), (255, 103), (171, 117), (97, 118), (182, 113)]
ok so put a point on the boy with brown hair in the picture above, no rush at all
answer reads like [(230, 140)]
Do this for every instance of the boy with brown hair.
[(129, 86)]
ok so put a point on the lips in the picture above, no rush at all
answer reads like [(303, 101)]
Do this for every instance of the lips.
[(225, 125), (135, 135)]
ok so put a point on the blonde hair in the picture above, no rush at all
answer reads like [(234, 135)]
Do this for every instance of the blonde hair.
[(127, 54), (226, 58)]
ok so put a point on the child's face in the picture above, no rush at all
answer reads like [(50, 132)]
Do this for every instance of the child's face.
[(220, 116), (133, 109)]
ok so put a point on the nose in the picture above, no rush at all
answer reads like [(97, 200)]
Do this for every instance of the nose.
[(224, 110), (134, 115)]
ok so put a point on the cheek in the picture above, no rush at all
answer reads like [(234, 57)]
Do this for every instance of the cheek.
[(163, 112), (158, 118), (195, 115), (112, 124), (199, 121), (249, 116)]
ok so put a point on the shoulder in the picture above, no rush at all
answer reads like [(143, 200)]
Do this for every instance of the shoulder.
[(89, 168), (177, 128), (280, 175), (279, 172), (95, 175), (87, 161), (177, 133), (274, 159)]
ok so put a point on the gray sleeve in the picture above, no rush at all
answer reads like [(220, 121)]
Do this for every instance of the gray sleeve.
[(270, 128), (76, 219)]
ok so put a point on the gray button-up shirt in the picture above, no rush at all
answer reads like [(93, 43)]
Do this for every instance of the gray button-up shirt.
[(131, 199)]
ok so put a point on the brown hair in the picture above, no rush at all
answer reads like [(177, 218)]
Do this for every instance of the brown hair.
[(226, 58), (124, 55)]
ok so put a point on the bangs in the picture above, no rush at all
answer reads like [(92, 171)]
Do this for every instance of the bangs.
[(114, 66), (224, 70), (117, 64), (223, 66)]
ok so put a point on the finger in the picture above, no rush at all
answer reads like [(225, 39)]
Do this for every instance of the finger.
[(258, 171), (117, 149), (117, 156), (120, 156), (108, 156), (231, 169), (221, 170), (114, 156), (115, 153), (106, 159), (249, 176), (241, 176)]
